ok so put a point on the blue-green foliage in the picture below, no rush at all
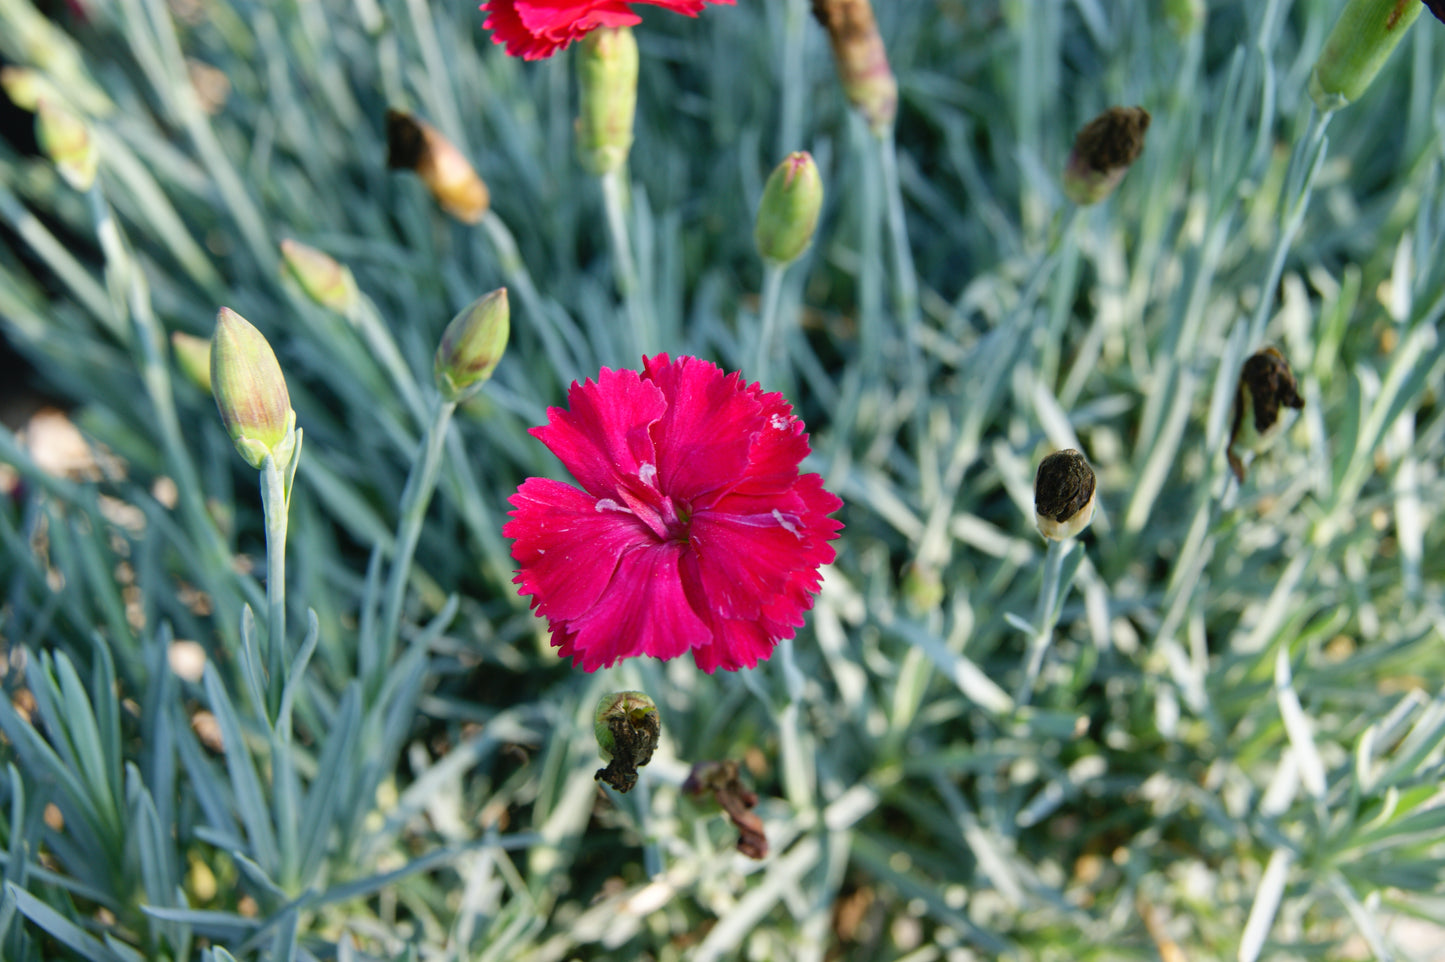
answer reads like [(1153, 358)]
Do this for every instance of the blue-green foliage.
[(1236, 740)]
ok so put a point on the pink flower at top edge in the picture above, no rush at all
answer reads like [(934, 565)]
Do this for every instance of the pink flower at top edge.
[(534, 29), (692, 529)]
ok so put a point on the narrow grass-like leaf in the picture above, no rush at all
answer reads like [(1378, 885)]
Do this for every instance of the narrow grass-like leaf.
[(85, 733), (64, 931), (1297, 725), (321, 807), (251, 804), (1266, 904)]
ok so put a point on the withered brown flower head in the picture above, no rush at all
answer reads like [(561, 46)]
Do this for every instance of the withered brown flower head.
[(723, 781), (628, 728), (414, 144), (1113, 139), (1103, 151), (1266, 384), (861, 59), (1063, 494)]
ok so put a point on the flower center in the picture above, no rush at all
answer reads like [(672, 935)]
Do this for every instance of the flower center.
[(665, 518)]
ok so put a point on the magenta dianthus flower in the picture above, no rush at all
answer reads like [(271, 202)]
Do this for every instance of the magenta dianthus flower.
[(692, 531)]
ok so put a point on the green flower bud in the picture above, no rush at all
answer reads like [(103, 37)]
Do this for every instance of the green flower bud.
[(861, 59), (788, 213), (193, 357), (1356, 49), (1185, 17), (251, 392), (628, 727), (923, 587), (324, 280), (472, 345), (1103, 152), (65, 139), (415, 145), (24, 87), (607, 78), (1063, 495)]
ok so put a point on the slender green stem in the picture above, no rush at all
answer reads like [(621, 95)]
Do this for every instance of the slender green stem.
[(1045, 615), (276, 509), (772, 300), (168, 71), (519, 279), (614, 195), (414, 500), (790, 79), (905, 278), (1305, 162), (905, 284), (378, 338), (870, 298)]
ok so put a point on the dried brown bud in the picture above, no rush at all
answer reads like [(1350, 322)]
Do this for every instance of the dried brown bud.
[(1103, 152), (723, 781), (627, 727), (1266, 384), (861, 59), (413, 144), (1063, 495)]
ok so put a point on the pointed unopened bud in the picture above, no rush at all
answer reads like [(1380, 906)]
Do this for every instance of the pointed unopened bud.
[(861, 59), (628, 727), (1358, 46), (324, 280), (416, 145), (607, 82), (472, 345), (1266, 387), (250, 392), (788, 213), (65, 139), (1063, 495), (1103, 152), (193, 357)]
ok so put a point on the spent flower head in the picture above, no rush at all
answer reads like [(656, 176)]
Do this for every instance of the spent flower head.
[(1104, 150), (788, 212), (692, 529), (861, 59), (534, 29), (1266, 387), (723, 781), (1063, 495), (472, 345), (627, 727), (250, 392), (413, 144)]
